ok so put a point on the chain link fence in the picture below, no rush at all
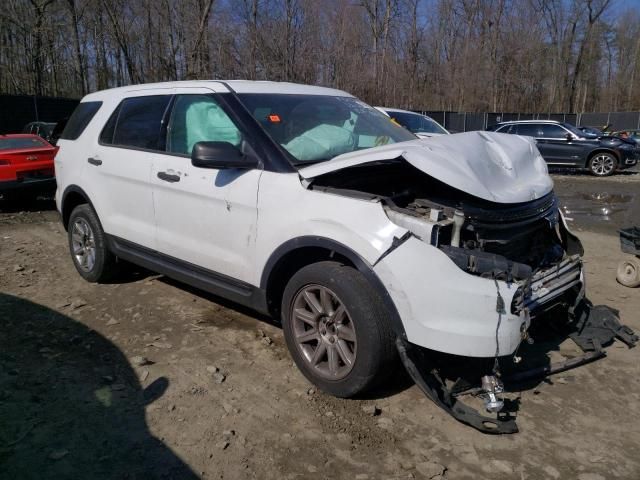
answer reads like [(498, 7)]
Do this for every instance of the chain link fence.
[(467, 121)]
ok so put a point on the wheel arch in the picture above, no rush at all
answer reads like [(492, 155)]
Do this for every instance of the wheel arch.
[(598, 150), (299, 252), (72, 196)]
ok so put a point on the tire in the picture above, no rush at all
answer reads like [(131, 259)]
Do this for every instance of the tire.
[(349, 324), (602, 164), (629, 272), (87, 245)]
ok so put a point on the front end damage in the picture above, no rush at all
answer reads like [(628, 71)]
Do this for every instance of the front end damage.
[(471, 274)]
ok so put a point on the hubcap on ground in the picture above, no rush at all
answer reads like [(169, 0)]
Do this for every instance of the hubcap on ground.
[(83, 245), (324, 332), (602, 164)]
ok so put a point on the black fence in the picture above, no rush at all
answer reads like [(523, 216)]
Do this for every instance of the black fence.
[(465, 121), (18, 110)]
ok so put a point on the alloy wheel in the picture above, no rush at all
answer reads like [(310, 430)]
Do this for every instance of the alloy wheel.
[(83, 244), (602, 164), (324, 332)]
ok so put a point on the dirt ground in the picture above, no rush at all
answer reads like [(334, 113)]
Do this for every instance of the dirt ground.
[(147, 378)]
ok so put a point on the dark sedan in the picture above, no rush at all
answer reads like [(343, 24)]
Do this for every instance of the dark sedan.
[(563, 145)]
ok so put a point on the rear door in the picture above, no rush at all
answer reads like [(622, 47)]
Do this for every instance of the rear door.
[(120, 164), (204, 216)]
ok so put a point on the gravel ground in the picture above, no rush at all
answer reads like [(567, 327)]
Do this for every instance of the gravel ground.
[(148, 378)]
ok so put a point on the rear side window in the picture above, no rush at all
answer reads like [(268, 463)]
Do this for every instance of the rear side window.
[(79, 120), (137, 122), (529, 130), (507, 129)]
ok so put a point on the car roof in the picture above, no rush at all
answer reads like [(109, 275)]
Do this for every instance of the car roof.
[(238, 86), (556, 122)]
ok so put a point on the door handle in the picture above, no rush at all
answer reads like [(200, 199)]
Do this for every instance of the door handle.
[(94, 161), (167, 177)]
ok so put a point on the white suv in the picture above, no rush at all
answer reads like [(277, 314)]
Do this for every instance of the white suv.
[(307, 204)]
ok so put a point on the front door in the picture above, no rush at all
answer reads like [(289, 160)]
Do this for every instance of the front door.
[(204, 216), (558, 146)]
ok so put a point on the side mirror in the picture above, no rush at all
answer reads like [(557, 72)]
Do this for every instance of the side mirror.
[(568, 137), (220, 155)]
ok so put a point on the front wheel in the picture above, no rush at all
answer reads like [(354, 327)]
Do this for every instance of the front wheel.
[(88, 246), (602, 164), (337, 329)]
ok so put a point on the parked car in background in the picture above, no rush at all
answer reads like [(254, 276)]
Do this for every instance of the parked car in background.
[(57, 131), (307, 204), (26, 165), (563, 145), (629, 134), (42, 129), (420, 125)]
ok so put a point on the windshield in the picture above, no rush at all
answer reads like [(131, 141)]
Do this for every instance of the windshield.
[(315, 128), (416, 123)]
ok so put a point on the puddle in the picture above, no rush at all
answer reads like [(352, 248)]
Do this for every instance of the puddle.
[(599, 210)]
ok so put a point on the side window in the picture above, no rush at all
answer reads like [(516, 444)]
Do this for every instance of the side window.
[(553, 131), (79, 120), (106, 136), (528, 130), (199, 118), (137, 122), (507, 129)]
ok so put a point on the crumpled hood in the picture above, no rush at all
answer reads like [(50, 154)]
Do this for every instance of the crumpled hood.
[(493, 166)]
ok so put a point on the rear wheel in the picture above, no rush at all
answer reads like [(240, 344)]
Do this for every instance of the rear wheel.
[(602, 164), (337, 329), (87, 245)]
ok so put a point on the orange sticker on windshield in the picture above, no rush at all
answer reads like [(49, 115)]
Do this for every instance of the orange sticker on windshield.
[(273, 118)]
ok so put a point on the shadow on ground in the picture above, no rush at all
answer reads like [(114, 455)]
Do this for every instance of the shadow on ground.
[(27, 202), (395, 382), (70, 404)]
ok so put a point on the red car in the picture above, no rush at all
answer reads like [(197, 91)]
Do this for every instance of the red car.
[(26, 164)]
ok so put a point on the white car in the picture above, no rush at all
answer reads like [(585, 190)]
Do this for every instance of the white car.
[(307, 204), (422, 126)]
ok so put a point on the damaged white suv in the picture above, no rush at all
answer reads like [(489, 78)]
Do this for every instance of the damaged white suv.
[(307, 204)]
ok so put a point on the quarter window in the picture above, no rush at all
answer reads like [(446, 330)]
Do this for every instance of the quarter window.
[(199, 118), (137, 123), (79, 120)]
